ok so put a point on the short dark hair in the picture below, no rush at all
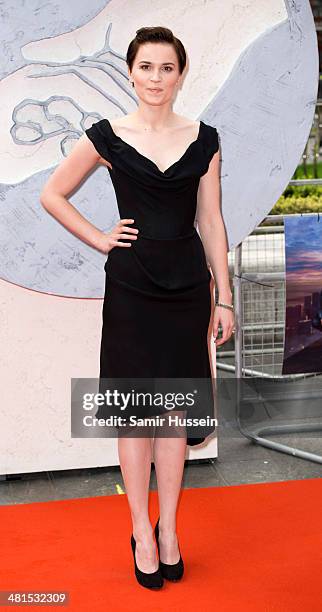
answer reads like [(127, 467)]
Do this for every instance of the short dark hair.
[(156, 34)]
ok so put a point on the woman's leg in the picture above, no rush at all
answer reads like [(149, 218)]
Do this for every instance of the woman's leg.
[(169, 458), (135, 456)]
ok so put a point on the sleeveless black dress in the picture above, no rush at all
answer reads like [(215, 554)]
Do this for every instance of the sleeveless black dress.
[(157, 302)]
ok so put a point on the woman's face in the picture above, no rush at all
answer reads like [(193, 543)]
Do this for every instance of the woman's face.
[(155, 67)]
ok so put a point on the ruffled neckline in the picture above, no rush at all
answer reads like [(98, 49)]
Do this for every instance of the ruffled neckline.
[(150, 161)]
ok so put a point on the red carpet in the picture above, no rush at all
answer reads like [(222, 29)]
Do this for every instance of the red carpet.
[(246, 548)]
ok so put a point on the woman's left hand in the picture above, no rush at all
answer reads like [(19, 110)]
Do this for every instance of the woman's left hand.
[(225, 318)]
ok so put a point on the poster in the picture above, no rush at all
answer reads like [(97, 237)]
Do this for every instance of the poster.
[(303, 321)]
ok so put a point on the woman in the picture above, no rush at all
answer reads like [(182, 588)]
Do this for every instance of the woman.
[(157, 305)]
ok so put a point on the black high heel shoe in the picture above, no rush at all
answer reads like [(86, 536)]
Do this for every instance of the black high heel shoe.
[(173, 572), (153, 580)]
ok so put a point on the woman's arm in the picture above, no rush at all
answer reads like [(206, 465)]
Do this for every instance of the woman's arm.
[(66, 177), (213, 236), (212, 229)]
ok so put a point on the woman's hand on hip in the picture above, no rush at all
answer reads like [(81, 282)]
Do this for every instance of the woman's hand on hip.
[(112, 239)]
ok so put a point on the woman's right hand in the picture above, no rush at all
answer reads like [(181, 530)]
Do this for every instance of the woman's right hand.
[(111, 239)]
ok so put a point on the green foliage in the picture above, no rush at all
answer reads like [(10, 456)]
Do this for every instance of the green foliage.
[(308, 171), (301, 199), (297, 204)]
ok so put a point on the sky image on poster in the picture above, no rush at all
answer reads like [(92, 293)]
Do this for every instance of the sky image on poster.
[(303, 324)]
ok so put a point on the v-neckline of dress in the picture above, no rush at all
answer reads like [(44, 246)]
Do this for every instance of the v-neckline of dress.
[(162, 172)]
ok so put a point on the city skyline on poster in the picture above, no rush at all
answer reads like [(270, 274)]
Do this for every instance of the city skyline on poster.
[(303, 321)]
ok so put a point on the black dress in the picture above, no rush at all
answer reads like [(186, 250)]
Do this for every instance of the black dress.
[(157, 303)]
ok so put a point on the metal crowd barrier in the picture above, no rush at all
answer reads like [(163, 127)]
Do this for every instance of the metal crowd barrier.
[(258, 268)]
